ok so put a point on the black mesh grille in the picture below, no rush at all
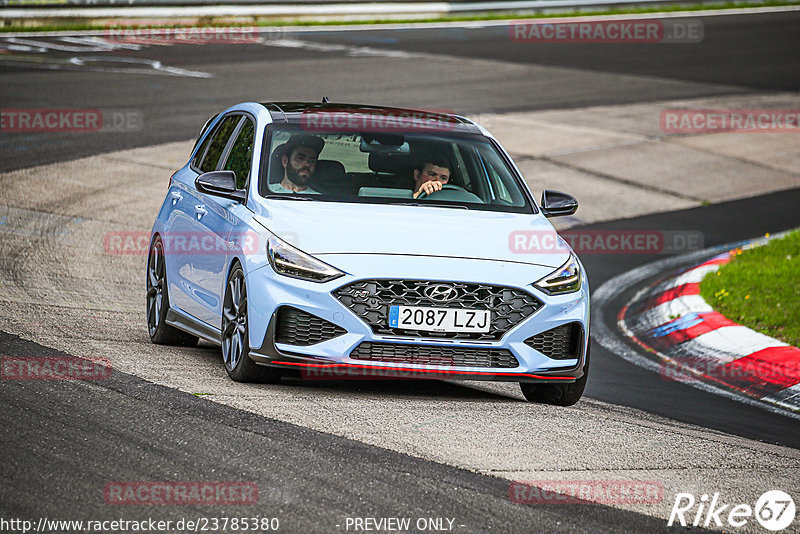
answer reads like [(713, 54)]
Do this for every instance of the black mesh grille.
[(433, 355), (560, 343), (296, 327), (370, 300)]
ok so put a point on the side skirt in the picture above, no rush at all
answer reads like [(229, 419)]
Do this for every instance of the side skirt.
[(189, 324)]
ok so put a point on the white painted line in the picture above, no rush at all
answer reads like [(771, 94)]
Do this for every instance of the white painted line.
[(132, 65), (695, 276), (101, 42), (735, 340), (789, 397), (355, 51), (35, 43)]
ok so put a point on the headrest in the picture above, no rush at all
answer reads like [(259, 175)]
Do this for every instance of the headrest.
[(329, 170), (275, 165), (390, 163)]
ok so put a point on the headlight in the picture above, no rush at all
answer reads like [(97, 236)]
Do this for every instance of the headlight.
[(289, 261), (565, 279)]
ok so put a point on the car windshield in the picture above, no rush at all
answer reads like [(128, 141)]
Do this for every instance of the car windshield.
[(385, 168)]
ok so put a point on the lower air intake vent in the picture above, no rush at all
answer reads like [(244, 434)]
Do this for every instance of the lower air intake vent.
[(560, 343), (296, 327)]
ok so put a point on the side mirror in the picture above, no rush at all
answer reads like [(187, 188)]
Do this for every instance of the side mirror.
[(221, 184), (556, 203)]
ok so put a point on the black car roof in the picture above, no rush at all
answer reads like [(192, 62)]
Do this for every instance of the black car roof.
[(294, 112)]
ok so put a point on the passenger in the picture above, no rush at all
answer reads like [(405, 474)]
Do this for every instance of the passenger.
[(431, 174), (299, 160)]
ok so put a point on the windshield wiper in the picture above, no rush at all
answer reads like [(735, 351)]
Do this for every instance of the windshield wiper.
[(286, 197), (431, 205)]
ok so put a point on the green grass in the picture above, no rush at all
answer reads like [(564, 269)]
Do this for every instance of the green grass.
[(83, 25), (760, 288)]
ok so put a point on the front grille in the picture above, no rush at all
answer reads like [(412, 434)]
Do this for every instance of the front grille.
[(433, 355), (560, 343), (296, 327), (370, 300)]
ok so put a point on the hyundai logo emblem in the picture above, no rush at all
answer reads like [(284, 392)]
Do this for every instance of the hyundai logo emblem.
[(441, 292)]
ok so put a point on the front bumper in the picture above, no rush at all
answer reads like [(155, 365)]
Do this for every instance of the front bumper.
[(268, 291)]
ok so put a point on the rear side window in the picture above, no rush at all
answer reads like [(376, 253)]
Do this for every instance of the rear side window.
[(241, 155), (218, 142), (198, 157), (199, 154)]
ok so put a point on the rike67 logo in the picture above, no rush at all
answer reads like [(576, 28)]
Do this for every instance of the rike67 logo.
[(774, 510)]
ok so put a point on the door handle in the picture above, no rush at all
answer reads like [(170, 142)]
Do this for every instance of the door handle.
[(200, 210), (175, 197)]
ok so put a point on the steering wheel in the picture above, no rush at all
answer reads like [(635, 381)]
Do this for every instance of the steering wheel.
[(445, 187)]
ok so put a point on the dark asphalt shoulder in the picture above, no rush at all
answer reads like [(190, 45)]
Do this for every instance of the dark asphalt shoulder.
[(65, 440)]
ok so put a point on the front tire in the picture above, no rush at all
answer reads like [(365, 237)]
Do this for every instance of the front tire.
[(158, 301), (557, 394), (235, 336)]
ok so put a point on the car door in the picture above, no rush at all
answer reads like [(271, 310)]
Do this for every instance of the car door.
[(216, 223), (190, 245), (179, 224)]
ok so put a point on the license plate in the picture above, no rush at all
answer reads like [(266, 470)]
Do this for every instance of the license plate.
[(439, 319)]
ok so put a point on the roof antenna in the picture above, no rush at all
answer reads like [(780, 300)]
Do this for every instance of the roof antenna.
[(324, 99)]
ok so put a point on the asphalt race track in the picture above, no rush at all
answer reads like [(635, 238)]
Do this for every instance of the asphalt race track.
[(63, 441), (313, 477), (739, 55), (614, 382)]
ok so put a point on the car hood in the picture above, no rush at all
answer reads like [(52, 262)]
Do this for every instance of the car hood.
[(320, 228)]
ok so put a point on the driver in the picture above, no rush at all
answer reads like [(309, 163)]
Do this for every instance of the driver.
[(430, 174), (299, 160)]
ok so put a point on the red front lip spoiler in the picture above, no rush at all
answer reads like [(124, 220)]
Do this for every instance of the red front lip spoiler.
[(417, 370)]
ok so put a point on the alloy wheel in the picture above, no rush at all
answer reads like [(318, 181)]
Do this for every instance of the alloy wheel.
[(155, 286), (234, 321)]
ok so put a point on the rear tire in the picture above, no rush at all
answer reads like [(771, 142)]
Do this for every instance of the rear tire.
[(235, 337), (557, 394), (158, 301)]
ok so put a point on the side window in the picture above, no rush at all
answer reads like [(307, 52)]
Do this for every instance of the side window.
[(198, 157), (199, 154), (241, 155), (218, 143), (500, 179), (475, 172), (497, 184)]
